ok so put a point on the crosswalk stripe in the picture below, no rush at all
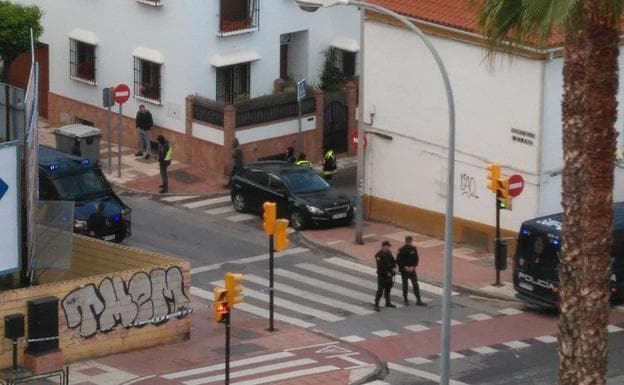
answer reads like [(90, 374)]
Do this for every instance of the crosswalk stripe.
[(352, 338), (335, 289), (241, 217), (247, 260), (207, 202), (288, 375), (371, 271), (510, 311), (453, 322), (547, 339), (384, 333), (220, 210), (290, 305), (484, 350), (178, 198), (418, 360), (274, 366), (614, 329), (343, 277), (516, 345), (416, 328), (479, 317), (309, 296), (420, 373), (233, 364), (255, 310), (377, 382)]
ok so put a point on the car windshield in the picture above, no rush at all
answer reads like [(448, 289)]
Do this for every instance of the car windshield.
[(305, 182), (81, 185)]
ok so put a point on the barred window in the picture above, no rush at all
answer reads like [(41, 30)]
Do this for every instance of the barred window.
[(147, 80), (82, 61), (233, 82), (344, 61)]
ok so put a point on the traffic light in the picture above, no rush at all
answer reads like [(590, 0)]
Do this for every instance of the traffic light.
[(234, 289), (269, 216), (493, 176), (281, 235), (221, 309), (503, 198)]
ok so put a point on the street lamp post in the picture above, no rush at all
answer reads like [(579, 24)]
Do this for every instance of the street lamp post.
[(445, 340)]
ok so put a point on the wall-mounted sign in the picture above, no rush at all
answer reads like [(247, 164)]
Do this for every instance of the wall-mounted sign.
[(522, 136), (9, 212)]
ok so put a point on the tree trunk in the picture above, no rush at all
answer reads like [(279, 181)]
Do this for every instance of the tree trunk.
[(573, 183)]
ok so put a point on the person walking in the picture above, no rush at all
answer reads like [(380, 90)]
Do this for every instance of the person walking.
[(97, 222), (144, 124), (386, 269), (329, 164), (407, 260), (302, 161), (165, 153), (290, 155)]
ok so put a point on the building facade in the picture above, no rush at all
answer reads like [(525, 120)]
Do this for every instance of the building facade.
[(507, 111)]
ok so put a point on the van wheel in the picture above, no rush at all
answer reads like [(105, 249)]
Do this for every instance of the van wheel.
[(239, 202), (297, 220)]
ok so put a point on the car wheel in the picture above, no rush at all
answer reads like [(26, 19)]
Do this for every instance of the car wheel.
[(297, 220), (239, 202)]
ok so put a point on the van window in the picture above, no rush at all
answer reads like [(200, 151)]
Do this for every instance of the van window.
[(81, 185)]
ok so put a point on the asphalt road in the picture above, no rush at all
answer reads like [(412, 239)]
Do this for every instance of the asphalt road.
[(493, 342)]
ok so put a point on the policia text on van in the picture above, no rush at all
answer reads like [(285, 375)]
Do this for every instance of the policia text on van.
[(536, 267), (71, 178)]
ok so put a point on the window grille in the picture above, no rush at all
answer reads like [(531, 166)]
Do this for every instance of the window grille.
[(147, 80)]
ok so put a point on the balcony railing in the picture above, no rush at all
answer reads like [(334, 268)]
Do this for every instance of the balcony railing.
[(208, 111), (239, 16)]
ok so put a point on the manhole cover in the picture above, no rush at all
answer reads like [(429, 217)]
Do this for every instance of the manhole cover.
[(183, 176)]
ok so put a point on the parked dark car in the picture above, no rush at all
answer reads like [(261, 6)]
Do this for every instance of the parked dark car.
[(67, 177), (301, 195)]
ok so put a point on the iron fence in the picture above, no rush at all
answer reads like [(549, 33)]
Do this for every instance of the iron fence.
[(208, 111), (273, 112)]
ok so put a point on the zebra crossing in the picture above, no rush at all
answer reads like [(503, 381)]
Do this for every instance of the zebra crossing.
[(322, 293), (215, 206)]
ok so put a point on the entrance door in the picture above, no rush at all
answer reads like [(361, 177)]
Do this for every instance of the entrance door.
[(335, 127), (283, 61)]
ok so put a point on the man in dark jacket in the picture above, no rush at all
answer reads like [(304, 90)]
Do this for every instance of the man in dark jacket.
[(144, 124), (407, 260), (386, 268), (97, 222), (164, 160)]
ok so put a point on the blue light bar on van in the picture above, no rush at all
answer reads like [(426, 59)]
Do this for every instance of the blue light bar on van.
[(117, 218), (525, 232), (555, 242), (53, 167), (85, 162)]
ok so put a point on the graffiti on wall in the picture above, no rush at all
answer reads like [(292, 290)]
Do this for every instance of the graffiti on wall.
[(147, 298), (468, 186)]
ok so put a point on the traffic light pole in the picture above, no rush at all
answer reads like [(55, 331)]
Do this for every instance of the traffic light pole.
[(497, 244), (227, 347), (271, 291)]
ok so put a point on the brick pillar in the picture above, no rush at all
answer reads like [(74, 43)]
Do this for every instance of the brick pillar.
[(188, 129), (229, 133), (316, 145), (352, 95)]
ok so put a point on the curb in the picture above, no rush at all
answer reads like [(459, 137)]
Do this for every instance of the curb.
[(306, 240)]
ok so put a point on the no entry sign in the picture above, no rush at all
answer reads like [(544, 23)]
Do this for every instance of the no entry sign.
[(516, 185), (121, 93), (354, 140)]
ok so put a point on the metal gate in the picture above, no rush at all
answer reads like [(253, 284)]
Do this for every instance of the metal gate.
[(335, 126)]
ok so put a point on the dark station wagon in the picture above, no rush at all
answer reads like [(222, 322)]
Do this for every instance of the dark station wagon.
[(301, 195)]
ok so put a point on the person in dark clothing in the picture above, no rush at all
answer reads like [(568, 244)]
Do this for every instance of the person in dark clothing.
[(97, 222), (144, 124), (407, 260), (302, 161), (290, 155), (329, 164), (237, 160), (164, 160), (386, 268)]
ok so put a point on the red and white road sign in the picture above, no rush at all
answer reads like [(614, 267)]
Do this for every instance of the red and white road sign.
[(354, 140), (516, 185), (121, 93)]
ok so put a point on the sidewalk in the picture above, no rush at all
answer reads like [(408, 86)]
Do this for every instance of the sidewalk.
[(287, 356), (473, 269)]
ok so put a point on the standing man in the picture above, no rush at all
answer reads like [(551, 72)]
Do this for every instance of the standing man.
[(386, 268), (407, 259), (290, 155), (164, 160), (144, 124), (97, 222), (237, 159)]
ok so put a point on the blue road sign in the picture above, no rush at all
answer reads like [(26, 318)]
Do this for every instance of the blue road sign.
[(3, 188), (301, 90)]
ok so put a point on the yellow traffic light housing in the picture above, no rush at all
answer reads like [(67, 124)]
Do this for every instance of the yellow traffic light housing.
[(221, 309), (493, 176), (281, 235), (269, 215), (503, 198), (234, 288)]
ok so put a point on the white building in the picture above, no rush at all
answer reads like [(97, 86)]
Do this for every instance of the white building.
[(166, 50), (507, 112)]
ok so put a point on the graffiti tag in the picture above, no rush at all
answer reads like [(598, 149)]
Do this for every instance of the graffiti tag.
[(468, 186), (147, 298)]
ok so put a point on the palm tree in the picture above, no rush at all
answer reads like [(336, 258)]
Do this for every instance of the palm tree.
[(590, 31)]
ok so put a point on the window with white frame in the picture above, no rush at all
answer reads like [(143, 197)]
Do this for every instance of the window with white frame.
[(233, 82), (82, 61), (147, 80)]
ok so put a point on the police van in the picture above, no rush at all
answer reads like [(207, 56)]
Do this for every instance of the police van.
[(67, 177), (536, 263)]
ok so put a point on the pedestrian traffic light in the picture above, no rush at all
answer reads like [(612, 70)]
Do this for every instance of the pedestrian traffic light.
[(269, 216), (503, 199), (493, 176), (281, 234), (234, 289), (221, 309)]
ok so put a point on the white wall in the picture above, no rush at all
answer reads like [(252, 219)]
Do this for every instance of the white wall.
[(185, 32), (404, 88)]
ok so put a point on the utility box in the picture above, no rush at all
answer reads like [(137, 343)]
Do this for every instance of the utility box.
[(79, 140)]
